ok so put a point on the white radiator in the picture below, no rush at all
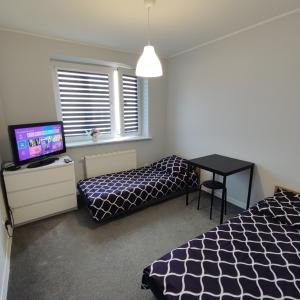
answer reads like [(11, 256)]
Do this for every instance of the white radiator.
[(101, 164)]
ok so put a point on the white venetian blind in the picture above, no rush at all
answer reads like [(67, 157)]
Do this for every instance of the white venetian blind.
[(130, 103), (85, 101)]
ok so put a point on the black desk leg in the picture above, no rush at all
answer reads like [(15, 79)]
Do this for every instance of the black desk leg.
[(187, 185), (212, 197), (250, 186), (223, 201)]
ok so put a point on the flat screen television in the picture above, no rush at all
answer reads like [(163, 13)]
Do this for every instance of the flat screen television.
[(37, 142)]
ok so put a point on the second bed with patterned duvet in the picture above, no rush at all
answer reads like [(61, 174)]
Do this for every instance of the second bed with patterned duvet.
[(255, 255)]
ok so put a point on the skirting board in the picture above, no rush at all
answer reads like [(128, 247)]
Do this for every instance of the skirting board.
[(4, 285)]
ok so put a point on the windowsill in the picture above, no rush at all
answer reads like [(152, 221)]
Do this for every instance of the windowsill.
[(113, 140)]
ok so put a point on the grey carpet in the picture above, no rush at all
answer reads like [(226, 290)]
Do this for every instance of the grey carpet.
[(71, 257)]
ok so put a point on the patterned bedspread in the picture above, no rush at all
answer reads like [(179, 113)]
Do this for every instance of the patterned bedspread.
[(110, 194), (251, 256)]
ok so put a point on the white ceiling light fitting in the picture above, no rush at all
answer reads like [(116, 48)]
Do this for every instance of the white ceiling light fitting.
[(149, 64)]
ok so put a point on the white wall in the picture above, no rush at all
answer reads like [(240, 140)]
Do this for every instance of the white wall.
[(240, 97), (5, 243), (26, 88)]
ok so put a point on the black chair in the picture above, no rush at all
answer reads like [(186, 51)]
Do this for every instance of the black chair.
[(213, 185)]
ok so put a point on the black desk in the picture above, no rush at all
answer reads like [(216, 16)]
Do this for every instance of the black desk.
[(224, 166)]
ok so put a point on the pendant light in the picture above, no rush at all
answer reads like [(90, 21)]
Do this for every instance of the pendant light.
[(149, 64)]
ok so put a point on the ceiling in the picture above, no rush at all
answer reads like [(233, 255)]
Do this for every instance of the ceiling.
[(176, 25)]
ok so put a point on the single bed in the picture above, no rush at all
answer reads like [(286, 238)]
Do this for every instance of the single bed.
[(255, 255), (110, 195)]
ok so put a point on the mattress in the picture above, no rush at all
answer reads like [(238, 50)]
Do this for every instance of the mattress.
[(111, 194), (251, 256)]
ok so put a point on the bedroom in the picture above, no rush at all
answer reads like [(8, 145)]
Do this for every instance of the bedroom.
[(230, 86)]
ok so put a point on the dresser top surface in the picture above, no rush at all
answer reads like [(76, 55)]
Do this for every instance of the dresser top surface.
[(58, 163)]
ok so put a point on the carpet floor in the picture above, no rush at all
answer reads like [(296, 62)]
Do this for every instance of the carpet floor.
[(70, 257)]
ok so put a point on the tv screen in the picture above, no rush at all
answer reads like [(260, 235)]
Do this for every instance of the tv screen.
[(33, 141)]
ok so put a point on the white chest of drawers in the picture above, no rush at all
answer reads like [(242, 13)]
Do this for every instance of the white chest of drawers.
[(37, 193)]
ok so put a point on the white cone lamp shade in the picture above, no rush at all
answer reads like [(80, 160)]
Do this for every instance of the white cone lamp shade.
[(149, 64)]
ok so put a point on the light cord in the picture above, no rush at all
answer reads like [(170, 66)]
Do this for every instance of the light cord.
[(148, 25)]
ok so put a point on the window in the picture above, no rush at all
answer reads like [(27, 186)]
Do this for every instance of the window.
[(113, 100), (85, 101), (130, 103)]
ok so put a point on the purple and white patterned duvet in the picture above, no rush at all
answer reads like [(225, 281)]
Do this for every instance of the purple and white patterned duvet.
[(111, 194), (251, 256)]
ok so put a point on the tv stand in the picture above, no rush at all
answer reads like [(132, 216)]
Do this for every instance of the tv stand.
[(42, 162), (38, 193)]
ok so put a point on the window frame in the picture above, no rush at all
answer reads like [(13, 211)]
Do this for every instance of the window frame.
[(140, 101), (109, 68)]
